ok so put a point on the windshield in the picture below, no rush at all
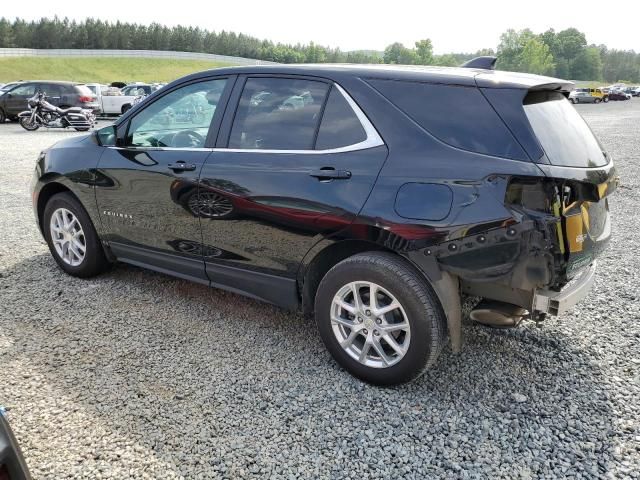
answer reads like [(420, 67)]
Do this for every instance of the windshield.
[(563, 134)]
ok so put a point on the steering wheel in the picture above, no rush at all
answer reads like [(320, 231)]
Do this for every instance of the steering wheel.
[(187, 138)]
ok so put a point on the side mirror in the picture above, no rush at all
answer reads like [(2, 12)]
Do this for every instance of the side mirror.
[(106, 136)]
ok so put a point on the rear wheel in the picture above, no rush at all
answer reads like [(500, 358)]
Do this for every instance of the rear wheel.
[(3, 117), (379, 318), (71, 237), (605, 99), (597, 100)]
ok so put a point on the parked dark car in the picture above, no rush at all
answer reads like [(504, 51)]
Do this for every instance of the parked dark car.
[(375, 198), (12, 464), (617, 95), (60, 94)]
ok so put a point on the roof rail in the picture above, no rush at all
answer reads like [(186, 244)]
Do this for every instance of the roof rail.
[(487, 63)]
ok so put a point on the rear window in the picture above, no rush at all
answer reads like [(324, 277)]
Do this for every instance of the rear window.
[(563, 134), (459, 116), (83, 90)]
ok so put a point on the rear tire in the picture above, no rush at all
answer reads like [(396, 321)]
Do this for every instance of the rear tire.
[(597, 100), (605, 99), (348, 327), (3, 117), (67, 243)]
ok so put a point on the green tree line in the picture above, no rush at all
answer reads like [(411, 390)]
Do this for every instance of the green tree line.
[(564, 54)]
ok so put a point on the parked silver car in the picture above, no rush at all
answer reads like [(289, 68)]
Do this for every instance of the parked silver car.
[(583, 97)]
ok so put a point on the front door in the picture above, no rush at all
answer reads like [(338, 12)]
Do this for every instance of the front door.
[(298, 165), (16, 100), (147, 184)]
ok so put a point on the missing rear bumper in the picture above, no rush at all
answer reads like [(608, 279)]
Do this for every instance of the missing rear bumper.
[(557, 303)]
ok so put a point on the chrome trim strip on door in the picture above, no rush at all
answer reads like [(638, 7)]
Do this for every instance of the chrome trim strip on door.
[(373, 139)]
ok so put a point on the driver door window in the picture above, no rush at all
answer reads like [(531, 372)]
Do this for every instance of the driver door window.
[(26, 90), (180, 119)]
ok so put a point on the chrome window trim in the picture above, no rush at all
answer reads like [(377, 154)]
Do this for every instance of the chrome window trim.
[(373, 139)]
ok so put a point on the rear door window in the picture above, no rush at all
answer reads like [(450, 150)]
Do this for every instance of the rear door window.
[(278, 114), (457, 115), (340, 126), (563, 134)]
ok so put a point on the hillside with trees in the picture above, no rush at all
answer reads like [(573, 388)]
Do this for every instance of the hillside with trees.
[(565, 54)]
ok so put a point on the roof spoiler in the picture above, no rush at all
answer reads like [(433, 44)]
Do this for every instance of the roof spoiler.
[(486, 63)]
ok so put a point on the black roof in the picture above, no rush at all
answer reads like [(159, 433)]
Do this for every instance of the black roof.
[(445, 75)]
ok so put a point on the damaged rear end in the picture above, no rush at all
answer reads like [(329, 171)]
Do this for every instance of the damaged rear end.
[(543, 261)]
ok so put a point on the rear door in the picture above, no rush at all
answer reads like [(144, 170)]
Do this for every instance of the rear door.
[(146, 184), (295, 162)]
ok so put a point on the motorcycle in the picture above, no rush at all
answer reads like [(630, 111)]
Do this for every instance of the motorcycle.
[(43, 114)]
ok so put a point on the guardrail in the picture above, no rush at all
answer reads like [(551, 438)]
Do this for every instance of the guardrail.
[(82, 52)]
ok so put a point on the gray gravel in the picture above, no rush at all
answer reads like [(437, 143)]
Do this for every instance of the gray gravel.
[(139, 375)]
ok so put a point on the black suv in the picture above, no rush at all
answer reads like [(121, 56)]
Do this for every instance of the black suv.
[(60, 94), (374, 197)]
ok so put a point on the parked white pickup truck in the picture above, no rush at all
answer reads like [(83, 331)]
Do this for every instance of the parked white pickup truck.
[(115, 101)]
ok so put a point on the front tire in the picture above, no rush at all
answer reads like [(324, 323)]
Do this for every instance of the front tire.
[(379, 318), (72, 239), (597, 100), (3, 117), (27, 125)]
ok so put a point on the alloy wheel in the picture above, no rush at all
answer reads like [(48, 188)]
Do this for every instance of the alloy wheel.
[(68, 237), (210, 205), (370, 324)]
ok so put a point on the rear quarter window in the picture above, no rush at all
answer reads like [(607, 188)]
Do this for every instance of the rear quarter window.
[(456, 115), (340, 126)]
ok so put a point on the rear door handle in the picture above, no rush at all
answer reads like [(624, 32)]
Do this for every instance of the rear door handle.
[(182, 167), (330, 173)]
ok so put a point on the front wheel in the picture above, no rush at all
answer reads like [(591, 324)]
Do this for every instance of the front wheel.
[(605, 99), (379, 318), (71, 237), (597, 100), (3, 117), (25, 122)]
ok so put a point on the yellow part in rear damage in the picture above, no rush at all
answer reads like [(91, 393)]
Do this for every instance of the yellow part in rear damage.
[(577, 227)]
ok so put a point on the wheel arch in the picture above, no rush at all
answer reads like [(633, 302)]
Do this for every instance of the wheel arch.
[(445, 285), (324, 259), (46, 192)]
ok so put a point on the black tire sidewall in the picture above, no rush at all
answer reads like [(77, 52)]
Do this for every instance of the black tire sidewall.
[(94, 260), (421, 321), (3, 117)]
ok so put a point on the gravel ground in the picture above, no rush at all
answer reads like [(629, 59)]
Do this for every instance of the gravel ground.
[(139, 375)]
